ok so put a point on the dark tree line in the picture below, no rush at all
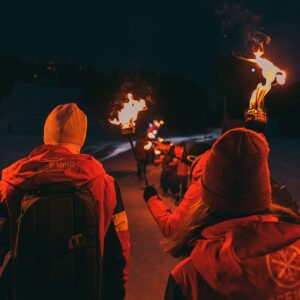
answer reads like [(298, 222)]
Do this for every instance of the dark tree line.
[(183, 103), (185, 106)]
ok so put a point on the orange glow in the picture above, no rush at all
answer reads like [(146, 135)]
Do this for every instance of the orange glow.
[(179, 151), (151, 135), (128, 114), (160, 139), (161, 146), (157, 152), (272, 75), (158, 123), (148, 145)]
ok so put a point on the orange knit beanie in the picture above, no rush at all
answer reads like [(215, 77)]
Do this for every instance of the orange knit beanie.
[(236, 176), (66, 124)]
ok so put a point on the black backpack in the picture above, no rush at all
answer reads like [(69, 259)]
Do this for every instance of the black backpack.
[(57, 250)]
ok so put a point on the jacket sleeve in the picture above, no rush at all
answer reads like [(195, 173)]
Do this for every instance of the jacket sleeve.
[(116, 253), (173, 290), (167, 220)]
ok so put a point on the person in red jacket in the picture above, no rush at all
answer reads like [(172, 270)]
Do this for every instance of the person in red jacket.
[(168, 221), (59, 161), (237, 243)]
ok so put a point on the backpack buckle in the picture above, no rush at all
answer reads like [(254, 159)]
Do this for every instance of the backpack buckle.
[(75, 241)]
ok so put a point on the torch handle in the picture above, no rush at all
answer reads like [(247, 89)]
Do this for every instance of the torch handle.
[(137, 160)]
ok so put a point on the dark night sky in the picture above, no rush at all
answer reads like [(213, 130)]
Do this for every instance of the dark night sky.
[(179, 36)]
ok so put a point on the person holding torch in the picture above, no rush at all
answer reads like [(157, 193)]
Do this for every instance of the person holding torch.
[(236, 244)]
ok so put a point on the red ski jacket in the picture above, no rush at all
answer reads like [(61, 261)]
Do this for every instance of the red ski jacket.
[(255, 257), (55, 164), (169, 221)]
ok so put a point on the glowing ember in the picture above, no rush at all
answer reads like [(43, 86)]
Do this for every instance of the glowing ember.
[(158, 123), (160, 139), (154, 128), (128, 114), (148, 146), (272, 75), (151, 135), (157, 152)]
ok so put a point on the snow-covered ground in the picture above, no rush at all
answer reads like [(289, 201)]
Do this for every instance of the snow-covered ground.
[(150, 265)]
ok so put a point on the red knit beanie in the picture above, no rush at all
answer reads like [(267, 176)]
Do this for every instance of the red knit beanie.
[(236, 176), (66, 124)]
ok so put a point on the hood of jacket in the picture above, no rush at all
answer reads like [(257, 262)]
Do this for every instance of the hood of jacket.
[(49, 164), (254, 257)]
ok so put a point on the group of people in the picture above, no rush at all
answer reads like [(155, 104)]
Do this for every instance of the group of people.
[(233, 241), (175, 169), (175, 172)]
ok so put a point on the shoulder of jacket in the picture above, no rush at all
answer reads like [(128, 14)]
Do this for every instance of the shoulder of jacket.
[(183, 270)]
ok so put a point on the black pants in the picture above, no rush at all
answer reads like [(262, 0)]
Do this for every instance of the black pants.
[(164, 181), (183, 183), (142, 167), (169, 180)]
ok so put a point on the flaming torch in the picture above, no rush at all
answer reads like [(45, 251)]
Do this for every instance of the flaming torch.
[(126, 120), (273, 76)]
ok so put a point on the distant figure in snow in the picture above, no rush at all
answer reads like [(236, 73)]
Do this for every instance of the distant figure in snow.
[(141, 154), (168, 177), (182, 173)]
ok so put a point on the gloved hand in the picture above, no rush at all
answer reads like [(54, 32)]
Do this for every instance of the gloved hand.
[(149, 192)]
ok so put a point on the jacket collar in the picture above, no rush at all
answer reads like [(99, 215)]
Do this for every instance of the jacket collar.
[(221, 228)]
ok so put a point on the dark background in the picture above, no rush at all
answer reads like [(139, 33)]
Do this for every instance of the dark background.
[(177, 54)]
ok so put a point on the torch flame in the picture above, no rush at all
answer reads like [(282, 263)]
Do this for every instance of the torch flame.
[(158, 123), (148, 145), (128, 114), (151, 135), (157, 152), (272, 75)]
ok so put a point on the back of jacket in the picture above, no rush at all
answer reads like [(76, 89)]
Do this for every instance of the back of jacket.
[(254, 257), (48, 164)]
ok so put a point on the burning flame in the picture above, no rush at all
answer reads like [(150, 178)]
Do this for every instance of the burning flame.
[(272, 75), (148, 146), (128, 114), (158, 123), (154, 128), (157, 152), (151, 135)]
